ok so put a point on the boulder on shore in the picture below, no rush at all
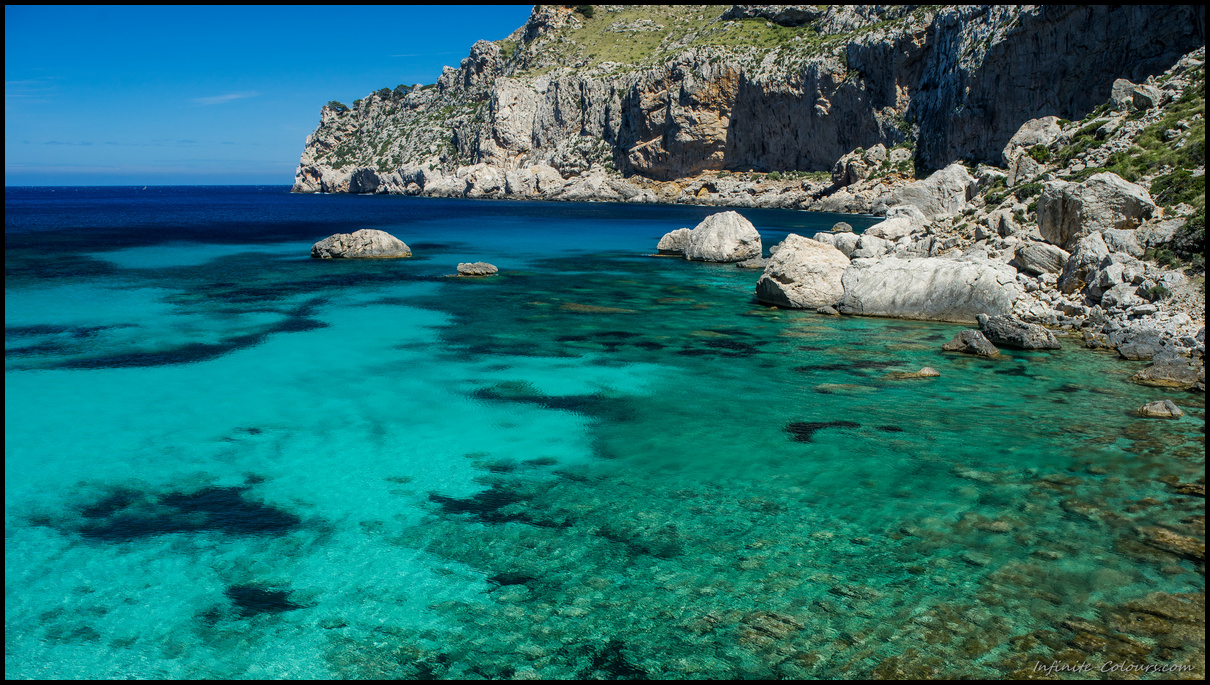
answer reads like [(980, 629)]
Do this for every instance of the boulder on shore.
[(971, 341), (932, 288), (1040, 258), (476, 269), (804, 274), (723, 237), (1069, 211), (364, 244), (1006, 330), (945, 193)]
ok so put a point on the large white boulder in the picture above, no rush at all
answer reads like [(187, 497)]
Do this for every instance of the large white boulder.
[(723, 237), (1070, 211), (364, 244), (930, 288), (943, 194), (803, 274)]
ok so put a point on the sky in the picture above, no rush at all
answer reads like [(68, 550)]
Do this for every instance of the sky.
[(206, 95)]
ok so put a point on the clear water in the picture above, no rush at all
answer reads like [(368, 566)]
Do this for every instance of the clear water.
[(226, 460)]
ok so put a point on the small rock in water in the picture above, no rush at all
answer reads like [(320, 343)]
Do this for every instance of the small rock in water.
[(827, 311), (1162, 409), (754, 263), (841, 227), (971, 341), (1006, 330), (476, 269)]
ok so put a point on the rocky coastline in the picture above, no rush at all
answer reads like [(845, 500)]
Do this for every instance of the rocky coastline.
[(1050, 219)]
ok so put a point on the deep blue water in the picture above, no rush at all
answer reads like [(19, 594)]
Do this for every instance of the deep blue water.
[(227, 460)]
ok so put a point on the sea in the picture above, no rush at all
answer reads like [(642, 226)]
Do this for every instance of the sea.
[(225, 459)]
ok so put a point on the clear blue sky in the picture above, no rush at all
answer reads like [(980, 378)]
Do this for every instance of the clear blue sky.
[(206, 95)]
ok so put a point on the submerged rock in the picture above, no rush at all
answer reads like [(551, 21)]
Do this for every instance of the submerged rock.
[(1161, 409), (804, 274), (926, 372), (1009, 331), (1167, 375), (723, 237), (971, 341), (476, 269), (366, 243), (1170, 541)]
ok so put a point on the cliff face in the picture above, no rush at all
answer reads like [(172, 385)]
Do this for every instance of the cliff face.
[(631, 101)]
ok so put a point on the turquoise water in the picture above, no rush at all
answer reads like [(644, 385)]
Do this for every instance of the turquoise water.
[(226, 460)]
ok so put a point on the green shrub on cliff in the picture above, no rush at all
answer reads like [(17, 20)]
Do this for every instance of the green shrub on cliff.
[(338, 106)]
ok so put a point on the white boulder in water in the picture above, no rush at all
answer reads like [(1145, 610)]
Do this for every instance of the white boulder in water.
[(722, 237), (364, 244)]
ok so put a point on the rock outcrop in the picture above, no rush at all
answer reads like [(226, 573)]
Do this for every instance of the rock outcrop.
[(803, 274), (363, 244), (933, 289)]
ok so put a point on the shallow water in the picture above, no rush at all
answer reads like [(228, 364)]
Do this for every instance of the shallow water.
[(224, 459)]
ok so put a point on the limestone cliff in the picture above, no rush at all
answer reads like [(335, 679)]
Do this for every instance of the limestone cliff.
[(661, 103)]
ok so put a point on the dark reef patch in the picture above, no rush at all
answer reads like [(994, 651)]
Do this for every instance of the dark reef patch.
[(252, 600), (126, 515), (890, 429), (592, 405), (484, 506), (856, 367), (297, 320), (1014, 371), (802, 431), (743, 348), (502, 579), (609, 663)]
